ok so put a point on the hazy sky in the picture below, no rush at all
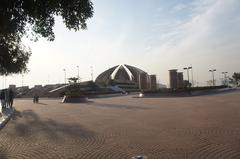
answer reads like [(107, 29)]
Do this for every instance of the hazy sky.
[(154, 35)]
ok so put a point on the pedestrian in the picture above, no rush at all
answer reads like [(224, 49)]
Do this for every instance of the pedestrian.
[(35, 98), (10, 97), (6, 98), (2, 97)]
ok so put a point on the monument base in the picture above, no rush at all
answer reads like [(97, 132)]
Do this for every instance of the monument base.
[(78, 99)]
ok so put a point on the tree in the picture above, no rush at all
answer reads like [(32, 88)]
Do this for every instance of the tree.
[(74, 88), (72, 80), (35, 19), (236, 78)]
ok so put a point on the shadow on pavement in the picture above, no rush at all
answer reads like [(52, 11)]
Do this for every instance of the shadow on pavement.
[(42, 103), (16, 114), (30, 124), (3, 155), (117, 106), (77, 103)]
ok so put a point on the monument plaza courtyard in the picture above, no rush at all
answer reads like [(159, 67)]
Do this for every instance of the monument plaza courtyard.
[(122, 127)]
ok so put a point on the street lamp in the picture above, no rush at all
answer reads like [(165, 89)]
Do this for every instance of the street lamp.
[(188, 68), (48, 79), (192, 76), (22, 80), (213, 70), (91, 72), (64, 70), (225, 78), (78, 73)]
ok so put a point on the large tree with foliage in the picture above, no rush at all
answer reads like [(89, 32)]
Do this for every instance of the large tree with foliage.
[(34, 18), (236, 78)]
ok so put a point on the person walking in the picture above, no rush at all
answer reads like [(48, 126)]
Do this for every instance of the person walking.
[(35, 98), (6, 98), (10, 98)]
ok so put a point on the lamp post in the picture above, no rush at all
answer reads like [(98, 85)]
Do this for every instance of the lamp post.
[(225, 78), (22, 80), (48, 80), (213, 70), (64, 70), (188, 68), (192, 76), (78, 73), (91, 72)]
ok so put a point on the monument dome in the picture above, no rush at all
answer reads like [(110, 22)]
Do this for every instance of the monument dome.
[(125, 76)]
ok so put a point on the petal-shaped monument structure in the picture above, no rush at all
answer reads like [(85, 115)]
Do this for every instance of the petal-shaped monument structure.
[(127, 77)]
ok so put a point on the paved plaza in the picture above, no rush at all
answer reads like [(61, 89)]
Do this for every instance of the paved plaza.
[(204, 127)]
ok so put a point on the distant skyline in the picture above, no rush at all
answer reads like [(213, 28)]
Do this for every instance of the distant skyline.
[(153, 35)]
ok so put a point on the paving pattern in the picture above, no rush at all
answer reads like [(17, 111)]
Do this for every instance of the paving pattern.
[(121, 127)]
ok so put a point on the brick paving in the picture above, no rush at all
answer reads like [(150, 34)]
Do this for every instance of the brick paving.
[(122, 127)]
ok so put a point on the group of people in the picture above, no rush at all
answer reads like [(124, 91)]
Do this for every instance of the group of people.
[(6, 97), (35, 98)]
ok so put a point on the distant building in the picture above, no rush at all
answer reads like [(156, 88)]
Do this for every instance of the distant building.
[(176, 79), (37, 86), (13, 87), (180, 83), (153, 82), (143, 81), (173, 78)]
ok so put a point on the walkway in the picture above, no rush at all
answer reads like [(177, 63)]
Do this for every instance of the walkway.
[(122, 127)]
